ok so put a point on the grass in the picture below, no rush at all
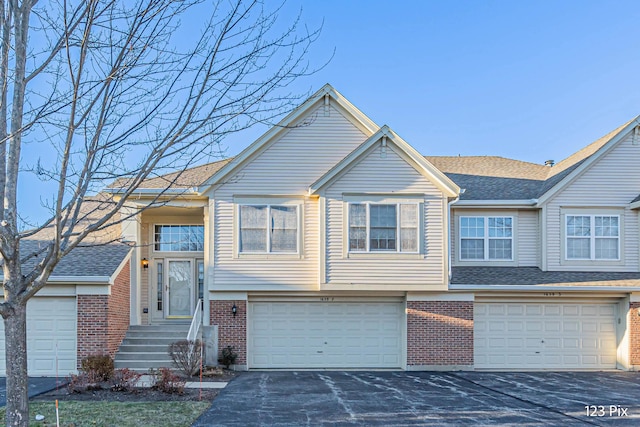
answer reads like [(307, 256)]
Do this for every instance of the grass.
[(116, 414)]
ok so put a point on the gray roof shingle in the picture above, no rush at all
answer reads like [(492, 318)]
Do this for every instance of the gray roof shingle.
[(528, 276), (86, 261)]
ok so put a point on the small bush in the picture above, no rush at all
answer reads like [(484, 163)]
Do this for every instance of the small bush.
[(228, 356), (98, 366), (124, 380), (84, 381), (186, 355), (166, 381)]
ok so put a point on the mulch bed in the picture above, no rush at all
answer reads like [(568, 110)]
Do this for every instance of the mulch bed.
[(143, 394)]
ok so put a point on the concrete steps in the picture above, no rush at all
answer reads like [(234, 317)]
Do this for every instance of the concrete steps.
[(146, 346)]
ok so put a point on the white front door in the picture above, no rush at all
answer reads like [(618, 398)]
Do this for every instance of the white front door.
[(179, 288)]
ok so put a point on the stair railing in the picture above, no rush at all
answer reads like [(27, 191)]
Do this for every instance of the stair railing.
[(196, 321)]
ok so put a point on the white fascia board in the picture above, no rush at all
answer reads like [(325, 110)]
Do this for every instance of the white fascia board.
[(115, 274), (282, 126), (80, 279), (524, 203), (587, 163), (75, 280), (140, 192), (544, 288), (635, 205), (446, 185)]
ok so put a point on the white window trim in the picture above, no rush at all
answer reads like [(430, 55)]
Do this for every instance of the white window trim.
[(268, 241), (162, 224), (368, 227), (486, 239), (592, 237)]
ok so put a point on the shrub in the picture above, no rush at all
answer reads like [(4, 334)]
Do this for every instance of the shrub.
[(124, 380), (98, 367), (186, 355), (84, 381), (166, 381), (228, 356)]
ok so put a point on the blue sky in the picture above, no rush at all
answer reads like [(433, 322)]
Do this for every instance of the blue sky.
[(530, 80)]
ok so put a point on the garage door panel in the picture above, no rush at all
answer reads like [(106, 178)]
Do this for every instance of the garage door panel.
[(555, 336), (51, 336), (332, 334)]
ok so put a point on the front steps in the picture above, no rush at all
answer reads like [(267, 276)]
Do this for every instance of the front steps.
[(146, 346)]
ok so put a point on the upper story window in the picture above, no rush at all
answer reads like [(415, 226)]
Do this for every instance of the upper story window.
[(179, 238), (593, 237), (383, 227), (268, 229), (487, 238)]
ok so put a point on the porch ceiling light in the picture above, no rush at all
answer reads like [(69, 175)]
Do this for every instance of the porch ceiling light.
[(145, 263), (234, 310)]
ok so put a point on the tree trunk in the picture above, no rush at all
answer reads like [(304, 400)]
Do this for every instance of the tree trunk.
[(15, 333)]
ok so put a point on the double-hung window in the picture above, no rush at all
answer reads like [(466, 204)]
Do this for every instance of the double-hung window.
[(268, 229), (487, 238), (383, 227), (592, 237)]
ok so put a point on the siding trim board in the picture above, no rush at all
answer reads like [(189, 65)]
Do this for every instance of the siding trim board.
[(384, 136)]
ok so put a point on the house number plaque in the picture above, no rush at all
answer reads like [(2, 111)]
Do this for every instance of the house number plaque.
[(326, 299)]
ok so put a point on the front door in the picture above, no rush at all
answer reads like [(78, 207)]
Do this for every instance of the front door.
[(179, 288)]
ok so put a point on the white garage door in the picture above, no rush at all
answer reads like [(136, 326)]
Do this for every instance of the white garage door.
[(325, 335), (51, 336), (544, 336)]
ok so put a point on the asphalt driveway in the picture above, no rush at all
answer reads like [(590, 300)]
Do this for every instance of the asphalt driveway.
[(426, 398), (37, 385)]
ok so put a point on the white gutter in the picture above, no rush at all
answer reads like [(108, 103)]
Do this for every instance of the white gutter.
[(154, 191), (544, 288), (76, 280), (634, 205), (490, 203)]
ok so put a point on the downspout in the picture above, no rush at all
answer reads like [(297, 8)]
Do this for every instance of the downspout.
[(462, 190)]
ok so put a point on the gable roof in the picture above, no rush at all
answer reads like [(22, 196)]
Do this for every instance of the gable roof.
[(448, 187), (367, 125), (566, 170)]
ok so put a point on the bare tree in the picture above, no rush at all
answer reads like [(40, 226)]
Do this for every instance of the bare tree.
[(117, 89)]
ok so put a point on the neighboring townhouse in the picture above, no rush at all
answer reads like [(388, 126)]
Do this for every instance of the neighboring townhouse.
[(330, 242)]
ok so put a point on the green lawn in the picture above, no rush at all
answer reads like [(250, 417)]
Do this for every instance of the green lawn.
[(116, 414)]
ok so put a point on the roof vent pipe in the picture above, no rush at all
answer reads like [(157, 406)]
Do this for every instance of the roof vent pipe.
[(549, 163)]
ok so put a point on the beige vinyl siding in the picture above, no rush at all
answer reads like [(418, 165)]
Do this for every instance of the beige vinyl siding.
[(264, 272), (528, 238), (286, 167), (525, 237), (291, 163), (385, 174), (611, 182)]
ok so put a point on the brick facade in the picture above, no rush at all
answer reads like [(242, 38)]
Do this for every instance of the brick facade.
[(439, 333), (103, 320), (634, 334), (232, 330)]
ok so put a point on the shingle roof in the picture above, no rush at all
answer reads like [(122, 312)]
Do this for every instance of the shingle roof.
[(188, 178), (492, 177), (87, 261), (637, 199), (527, 276)]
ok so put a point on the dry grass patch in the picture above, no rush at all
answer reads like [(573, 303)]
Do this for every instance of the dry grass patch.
[(116, 414)]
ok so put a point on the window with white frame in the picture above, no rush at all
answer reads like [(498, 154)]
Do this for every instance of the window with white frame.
[(179, 238), (592, 237), (268, 229), (383, 227), (486, 238)]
